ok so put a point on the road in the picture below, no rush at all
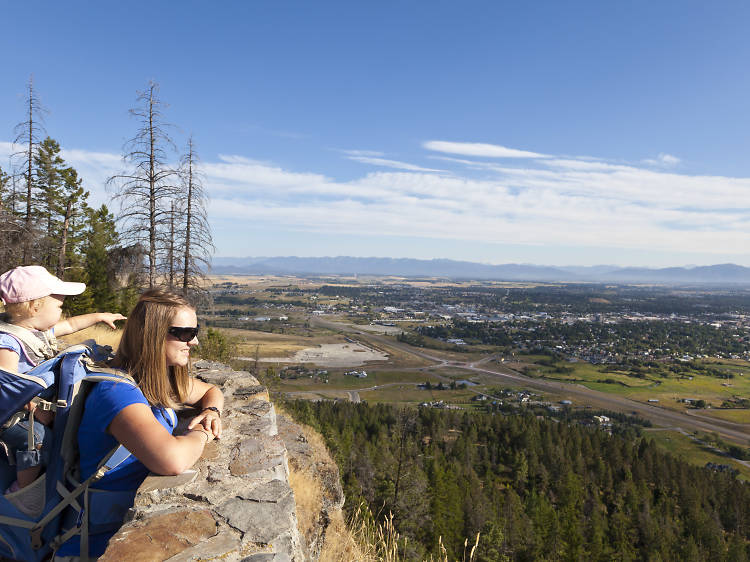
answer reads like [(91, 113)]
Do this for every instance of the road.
[(577, 393)]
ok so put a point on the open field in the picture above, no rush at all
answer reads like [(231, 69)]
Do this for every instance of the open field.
[(102, 334), (691, 451), (669, 391), (378, 329), (409, 394), (734, 415), (339, 381), (331, 355), (272, 345), (289, 338)]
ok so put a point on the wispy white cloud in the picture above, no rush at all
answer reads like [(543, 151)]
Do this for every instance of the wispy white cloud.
[(554, 201), (479, 149), (664, 160), (372, 153), (391, 164), (536, 201)]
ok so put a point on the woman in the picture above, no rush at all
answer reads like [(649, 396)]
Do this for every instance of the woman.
[(155, 351)]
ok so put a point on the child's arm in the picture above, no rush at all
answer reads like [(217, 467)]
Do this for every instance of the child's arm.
[(76, 323), (9, 360)]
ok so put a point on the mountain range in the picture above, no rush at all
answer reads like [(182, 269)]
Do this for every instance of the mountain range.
[(721, 274)]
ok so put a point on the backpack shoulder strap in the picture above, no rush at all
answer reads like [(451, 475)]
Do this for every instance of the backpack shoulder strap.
[(99, 373), (36, 347)]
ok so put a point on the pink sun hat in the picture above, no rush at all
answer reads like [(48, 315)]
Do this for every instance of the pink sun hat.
[(30, 282)]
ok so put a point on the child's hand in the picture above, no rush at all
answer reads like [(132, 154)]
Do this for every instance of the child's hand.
[(110, 318), (44, 417)]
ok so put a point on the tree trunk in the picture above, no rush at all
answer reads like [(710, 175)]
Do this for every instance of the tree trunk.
[(29, 183), (64, 244), (152, 193), (188, 221), (170, 254)]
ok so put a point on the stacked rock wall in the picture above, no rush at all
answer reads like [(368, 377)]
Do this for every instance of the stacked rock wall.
[(236, 503)]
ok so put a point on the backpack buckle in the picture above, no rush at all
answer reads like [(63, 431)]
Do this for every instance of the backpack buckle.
[(36, 538)]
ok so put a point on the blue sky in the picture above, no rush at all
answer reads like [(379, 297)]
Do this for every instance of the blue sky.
[(540, 132)]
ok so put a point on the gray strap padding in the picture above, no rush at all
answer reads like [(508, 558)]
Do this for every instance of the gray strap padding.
[(113, 459), (41, 344), (31, 431), (13, 522), (14, 419)]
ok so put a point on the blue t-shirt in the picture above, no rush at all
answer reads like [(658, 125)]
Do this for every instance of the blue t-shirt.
[(106, 400), (9, 342)]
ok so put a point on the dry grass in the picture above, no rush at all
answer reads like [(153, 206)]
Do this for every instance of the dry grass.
[(340, 544), (318, 444), (272, 344), (365, 540), (308, 497), (102, 334)]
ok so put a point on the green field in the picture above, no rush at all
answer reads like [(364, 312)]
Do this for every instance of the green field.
[(669, 390), (685, 447), (412, 395), (737, 415), (338, 381)]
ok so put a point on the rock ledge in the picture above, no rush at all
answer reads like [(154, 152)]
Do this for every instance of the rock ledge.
[(236, 503)]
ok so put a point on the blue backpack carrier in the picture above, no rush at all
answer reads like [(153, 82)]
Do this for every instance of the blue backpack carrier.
[(61, 505)]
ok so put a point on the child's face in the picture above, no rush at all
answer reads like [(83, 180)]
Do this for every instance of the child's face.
[(49, 313)]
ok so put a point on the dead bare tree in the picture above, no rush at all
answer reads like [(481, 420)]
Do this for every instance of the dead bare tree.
[(29, 134), (5, 185), (10, 228), (197, 243), (171, 243), (145, 190)]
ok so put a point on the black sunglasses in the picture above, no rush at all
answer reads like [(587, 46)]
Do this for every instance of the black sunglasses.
[(184, 334)]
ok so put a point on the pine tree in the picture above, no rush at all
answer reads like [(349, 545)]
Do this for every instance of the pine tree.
[(100, 240), (47, 203), (73, 223), (59, 207)]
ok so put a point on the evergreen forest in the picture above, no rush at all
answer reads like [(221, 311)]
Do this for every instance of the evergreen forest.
[(536, 489)]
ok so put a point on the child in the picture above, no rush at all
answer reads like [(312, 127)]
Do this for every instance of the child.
[(33, 299)]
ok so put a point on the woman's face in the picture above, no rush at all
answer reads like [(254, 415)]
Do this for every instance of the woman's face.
[(177, 352)]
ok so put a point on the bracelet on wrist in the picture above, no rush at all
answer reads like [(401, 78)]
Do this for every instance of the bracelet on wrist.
[(213, 409)]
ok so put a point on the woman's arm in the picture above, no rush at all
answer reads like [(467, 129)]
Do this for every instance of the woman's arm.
[(206, 395), (76, 323), (138, 430)]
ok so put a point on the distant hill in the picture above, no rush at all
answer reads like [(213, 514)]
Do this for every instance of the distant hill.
[(345, 265)]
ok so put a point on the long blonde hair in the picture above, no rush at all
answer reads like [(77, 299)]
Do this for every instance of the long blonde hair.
[(142, 352)]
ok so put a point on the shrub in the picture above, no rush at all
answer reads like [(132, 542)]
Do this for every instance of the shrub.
[(215, 346)]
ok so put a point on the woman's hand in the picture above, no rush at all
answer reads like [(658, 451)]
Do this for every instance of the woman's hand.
[(206, 396), (211, 422)]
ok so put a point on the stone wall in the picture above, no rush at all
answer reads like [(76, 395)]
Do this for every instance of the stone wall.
[(236, 503)]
